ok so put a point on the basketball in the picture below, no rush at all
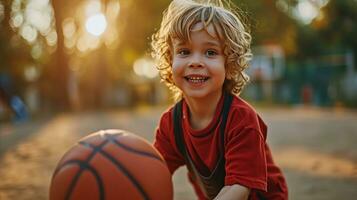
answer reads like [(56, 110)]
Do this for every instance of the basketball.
[(111, 165)]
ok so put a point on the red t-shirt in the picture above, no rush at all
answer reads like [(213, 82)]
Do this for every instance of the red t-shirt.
[(248, 158)]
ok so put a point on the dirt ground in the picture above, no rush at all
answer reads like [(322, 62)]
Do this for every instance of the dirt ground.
[(316, 149)]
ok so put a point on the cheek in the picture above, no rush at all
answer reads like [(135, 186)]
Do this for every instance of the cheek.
[(177, 66), (220, 68), (175, 70)]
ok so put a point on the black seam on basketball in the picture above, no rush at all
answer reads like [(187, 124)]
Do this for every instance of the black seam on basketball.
[(83, 166), (121, 168), (74, 181), (143, 153)]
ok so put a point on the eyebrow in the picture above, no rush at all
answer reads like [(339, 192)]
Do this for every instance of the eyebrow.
[(179, 43), (208, 43), (211, 43)]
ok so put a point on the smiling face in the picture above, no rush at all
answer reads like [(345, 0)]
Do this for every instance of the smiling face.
[(198, 65)]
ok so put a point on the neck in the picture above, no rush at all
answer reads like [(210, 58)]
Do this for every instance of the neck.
[(202, 110)]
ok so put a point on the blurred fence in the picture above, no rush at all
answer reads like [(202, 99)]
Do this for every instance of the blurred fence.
[(326, 80)]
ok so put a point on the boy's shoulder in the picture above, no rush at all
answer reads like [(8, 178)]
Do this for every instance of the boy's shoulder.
[(242, 107), (243, 115), (166, 116)]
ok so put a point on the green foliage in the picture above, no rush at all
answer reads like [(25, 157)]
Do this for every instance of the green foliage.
[(333, 30), (269, 24), (340, 28)]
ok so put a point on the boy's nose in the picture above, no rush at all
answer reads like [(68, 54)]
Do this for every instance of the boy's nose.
[(195, 62)]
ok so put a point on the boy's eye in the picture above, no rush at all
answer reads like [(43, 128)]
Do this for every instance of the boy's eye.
[(183, 52), (211, 53)]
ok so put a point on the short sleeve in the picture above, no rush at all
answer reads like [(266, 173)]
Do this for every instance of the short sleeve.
[(246, 159), (165, 144)]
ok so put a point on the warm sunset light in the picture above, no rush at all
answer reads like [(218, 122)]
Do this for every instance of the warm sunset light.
[(91, 92), (307, 10), (96, 24), (145, 67)]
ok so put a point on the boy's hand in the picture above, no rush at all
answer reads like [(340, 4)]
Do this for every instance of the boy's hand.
[(233, 192)]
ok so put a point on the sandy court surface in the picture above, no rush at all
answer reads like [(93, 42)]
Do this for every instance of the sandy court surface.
[(315, 148)]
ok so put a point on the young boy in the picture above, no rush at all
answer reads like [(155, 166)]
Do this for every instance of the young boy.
[(201, 51)]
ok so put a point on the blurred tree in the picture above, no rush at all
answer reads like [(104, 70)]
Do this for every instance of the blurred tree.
[(139, 20), (271, 23), (336, 25), (309, 42), (58, 74), (333, 30), (24, 47), (5, 34), (14, 52)]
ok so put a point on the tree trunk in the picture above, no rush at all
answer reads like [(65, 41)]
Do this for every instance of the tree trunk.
[(60, 71)]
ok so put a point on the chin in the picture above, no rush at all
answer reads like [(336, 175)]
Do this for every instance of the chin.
[(200, 94), (197, 95)]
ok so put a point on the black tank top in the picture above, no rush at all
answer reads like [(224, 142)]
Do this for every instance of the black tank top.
[(212, 183)]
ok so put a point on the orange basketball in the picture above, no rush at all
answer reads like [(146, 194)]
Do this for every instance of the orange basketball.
[(111, 165)]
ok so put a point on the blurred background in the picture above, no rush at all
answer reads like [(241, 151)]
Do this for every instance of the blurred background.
[(94, 54), (86, 64)]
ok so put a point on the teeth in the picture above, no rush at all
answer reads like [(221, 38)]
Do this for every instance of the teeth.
[(196, 79)]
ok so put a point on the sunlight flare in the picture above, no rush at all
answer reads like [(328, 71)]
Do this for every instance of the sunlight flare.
[(96, 24)]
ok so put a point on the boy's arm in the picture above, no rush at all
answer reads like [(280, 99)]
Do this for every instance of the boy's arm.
[(236, 192)]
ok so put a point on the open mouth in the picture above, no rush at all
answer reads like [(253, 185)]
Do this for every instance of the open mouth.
[(196, 79)]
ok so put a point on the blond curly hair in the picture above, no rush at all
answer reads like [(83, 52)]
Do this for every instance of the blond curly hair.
[(177, 22)]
